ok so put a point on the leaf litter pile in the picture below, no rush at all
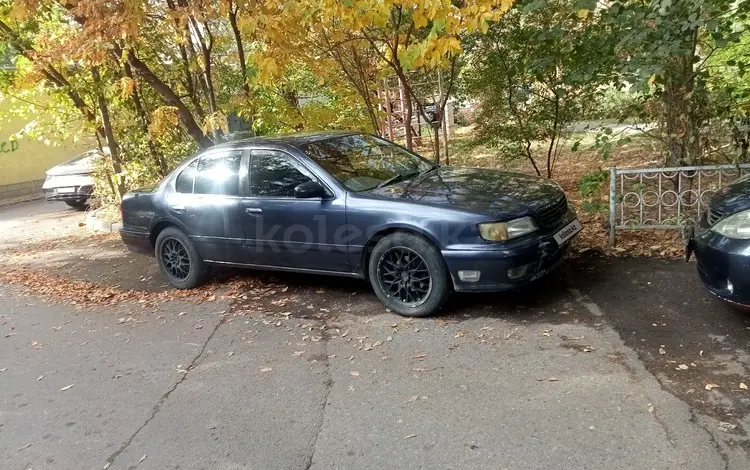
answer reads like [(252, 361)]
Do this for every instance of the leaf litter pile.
[(86, 294)]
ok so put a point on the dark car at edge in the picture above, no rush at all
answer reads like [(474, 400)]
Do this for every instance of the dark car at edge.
[(351, 205), (721, 243)]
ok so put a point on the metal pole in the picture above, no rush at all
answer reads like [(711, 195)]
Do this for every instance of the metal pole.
[(612, 205)]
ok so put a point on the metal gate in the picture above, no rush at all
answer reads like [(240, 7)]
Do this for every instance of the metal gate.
[(664, 198)]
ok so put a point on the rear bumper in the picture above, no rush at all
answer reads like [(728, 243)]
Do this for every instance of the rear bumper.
[(537, 257), (79, 194), (76, 187), (723, 264), (137, 242)]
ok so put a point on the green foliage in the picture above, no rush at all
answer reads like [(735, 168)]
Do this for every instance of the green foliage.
[(536, 71), (591, 188), (614, 103), (666, 47)]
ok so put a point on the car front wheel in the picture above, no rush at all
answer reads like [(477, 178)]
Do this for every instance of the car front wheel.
[(409, 275), (178, 261)]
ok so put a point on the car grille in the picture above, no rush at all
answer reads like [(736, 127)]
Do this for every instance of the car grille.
[(713, 216), (552, 215)]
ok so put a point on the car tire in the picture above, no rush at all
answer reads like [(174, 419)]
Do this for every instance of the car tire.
[(405, 258), (77, 205), (174, 252)]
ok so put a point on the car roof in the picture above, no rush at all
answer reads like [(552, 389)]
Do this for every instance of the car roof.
[(293, 139)]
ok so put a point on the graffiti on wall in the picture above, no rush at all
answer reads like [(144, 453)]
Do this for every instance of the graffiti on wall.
[(8, 146)]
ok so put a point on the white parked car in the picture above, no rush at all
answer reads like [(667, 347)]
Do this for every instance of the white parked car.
[(71, 182)]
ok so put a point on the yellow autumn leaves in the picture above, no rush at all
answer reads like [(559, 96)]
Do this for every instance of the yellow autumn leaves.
[(286, 33)]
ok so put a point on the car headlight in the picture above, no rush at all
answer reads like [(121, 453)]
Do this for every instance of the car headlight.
[(734, 226), (501, 231)]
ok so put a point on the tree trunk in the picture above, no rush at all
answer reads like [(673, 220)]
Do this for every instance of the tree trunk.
[(185, 56), (114, 149), (240, 49), (171, 98), (161, 167), (407, 115), (436, 139)]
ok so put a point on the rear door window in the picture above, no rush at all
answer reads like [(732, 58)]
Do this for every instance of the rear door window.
[(219, 174)]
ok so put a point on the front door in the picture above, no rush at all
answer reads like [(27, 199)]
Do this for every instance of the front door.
[(207, 202), (289, 232)]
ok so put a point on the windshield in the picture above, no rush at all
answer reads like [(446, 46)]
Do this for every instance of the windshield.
[(362, 162)]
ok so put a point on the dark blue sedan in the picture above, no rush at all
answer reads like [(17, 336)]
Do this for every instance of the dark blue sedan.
[(721, 243), (351, 205)]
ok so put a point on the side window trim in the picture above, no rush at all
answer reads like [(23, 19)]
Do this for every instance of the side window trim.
[(185, 168), (295, 162)]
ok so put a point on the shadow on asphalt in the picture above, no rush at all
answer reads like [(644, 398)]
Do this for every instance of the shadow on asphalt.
[(684, 336), (547, 300)]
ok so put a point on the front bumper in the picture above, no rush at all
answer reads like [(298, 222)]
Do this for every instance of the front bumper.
[(539, 255), (723, 264)]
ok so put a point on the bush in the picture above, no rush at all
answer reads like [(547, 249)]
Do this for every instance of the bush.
[(614, 103)]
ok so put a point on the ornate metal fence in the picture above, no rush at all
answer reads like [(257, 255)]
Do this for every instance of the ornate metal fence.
[(664, 198)]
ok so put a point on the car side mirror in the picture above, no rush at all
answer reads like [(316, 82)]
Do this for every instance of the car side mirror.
[(310, 190)]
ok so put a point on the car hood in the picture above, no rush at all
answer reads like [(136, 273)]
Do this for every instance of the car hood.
[(733, 198), (82, 164), (478, 190)]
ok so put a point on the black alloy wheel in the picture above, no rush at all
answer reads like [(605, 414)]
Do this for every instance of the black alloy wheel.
[(404, 276), (179, 262), (175, 258), (408, 274)]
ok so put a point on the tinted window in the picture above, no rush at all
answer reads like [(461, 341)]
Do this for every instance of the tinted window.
[(184, 182), (219, 174), (274, 175), (362, 162)]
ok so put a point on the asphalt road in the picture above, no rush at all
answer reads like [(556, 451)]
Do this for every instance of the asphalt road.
[(315, 374)]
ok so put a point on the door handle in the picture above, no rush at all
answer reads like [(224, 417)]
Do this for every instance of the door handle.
[(253, 211), (178, 209)]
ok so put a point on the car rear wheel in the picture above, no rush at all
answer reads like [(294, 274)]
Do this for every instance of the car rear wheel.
[(409, 275), (178, 261)]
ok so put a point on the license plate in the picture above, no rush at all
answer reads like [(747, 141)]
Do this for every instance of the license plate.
[(66, 190), (568, 232)]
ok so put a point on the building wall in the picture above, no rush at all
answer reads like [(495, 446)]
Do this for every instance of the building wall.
[(25, 160)]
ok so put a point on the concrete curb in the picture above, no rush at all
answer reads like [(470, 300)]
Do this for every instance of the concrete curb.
[(21, 199), (98, 225)]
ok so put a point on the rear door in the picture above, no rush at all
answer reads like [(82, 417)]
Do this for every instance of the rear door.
[(207, 201), (286, 231)]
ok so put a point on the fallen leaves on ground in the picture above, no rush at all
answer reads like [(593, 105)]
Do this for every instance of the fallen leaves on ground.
[(726, 427), (87, 294)]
